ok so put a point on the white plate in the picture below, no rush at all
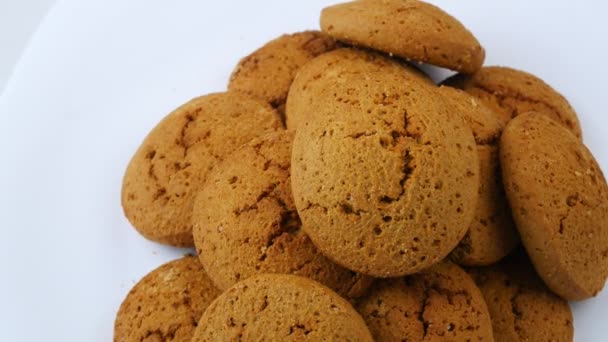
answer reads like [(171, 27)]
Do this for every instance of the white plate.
[(99, 74)]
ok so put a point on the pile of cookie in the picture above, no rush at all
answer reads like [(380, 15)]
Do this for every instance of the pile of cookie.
[(335, 192)]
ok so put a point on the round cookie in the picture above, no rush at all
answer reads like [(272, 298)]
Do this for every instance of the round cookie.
[(246, 223), (170, 165), (277, 307), (520, 305), (441, 303), (559, 199), (510, 92), (411, 29), (484, 124), (492, 234), (268, 72), (166, 304), (319, 79), (386, 181)]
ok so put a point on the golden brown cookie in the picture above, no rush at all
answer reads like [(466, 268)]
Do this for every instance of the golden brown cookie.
[(521, 306), (166, 304), (277, 307), (246, 223), (441, 303), (170, 166), (411, 29), (559, 199), (385, 178), (510, 92), (485, 125), (268, 72), (492, 234), (319, 79)]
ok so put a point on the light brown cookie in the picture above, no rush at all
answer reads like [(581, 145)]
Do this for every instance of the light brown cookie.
[(166, 304), (520, 305), (246, 223), (275, 307), (492, 234), (559, 199), (385, 180), (170, 166), (411, 29), (320, 78), (268, 72), (485, 125), (510, 92), (439, 304)]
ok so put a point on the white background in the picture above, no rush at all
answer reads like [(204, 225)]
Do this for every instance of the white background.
[(97, 76), (18, 21)]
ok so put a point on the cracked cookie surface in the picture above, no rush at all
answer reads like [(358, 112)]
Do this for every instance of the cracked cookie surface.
[(521, 307), (245, 221), (411, 29), (385, 178), (559, 200), (318, 78), (267, 73), (170, 166), (166, 304), (275, 307), (492, 234), (441, 303), (510, 92)]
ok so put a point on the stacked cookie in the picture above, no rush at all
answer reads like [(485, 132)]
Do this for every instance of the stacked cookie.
[(335, 192)]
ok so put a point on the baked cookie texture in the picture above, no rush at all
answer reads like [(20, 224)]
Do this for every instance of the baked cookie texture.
[(171, 164), (441, 303), (385, 179), (335, 190), (267, 73), (246, 223), (166, 304), (510, 92), (520, 305), (492, 234), (275, 307), (318, 79), (411, 29), (559, 199)]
